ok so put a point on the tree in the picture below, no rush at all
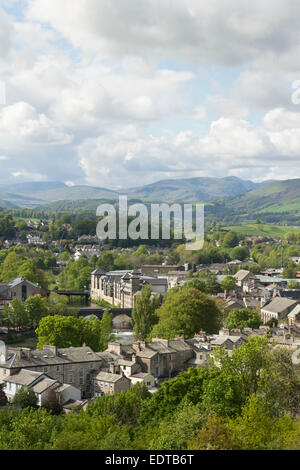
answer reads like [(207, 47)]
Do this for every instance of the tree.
[(257, 429), (62, 332), (66, 331), (228, 284), (25, 397), (36, 308), (106, 330), (290, 271), (196, 284), (186, 312), (10, 266), (236, 376), (26, 429), (185, 388), (240, 252), (231, 240), (106, 262), (177, 429), (16, 314), (243, 318), (143, 314), (290, 237), (124, 406), (213, 436)]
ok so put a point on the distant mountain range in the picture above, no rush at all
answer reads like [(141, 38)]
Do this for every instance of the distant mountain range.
[(231, 197), (181, 190)]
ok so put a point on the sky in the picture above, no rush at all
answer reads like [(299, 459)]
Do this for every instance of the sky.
[(118, 94)]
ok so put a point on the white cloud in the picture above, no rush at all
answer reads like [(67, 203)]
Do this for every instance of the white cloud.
[(22, 121), (6, 34), (234, 33), (134, 102), (232, 146), (29, 176)]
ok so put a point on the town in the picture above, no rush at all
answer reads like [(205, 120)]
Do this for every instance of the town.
[(91, 330)]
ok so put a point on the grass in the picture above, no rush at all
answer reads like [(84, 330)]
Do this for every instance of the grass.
[(273, 231)]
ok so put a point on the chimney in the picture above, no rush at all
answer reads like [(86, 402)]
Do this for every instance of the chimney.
[(114, 347), (112, 368), (225, 331), (139, 345), (27, 352), (50, 348)]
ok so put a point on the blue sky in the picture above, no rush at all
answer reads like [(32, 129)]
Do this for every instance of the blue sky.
[(120, 94)]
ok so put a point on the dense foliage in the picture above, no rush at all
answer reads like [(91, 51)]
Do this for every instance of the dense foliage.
[(249, 401)]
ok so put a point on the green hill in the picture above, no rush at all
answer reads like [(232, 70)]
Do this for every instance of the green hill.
[(193, 189), (282, 197)]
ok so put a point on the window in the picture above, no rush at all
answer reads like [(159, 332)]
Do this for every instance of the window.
[(4, 372), (71, 378), (57, 368), (45, 369)]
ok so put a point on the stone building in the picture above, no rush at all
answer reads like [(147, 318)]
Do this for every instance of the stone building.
[(73, 366), (121, 287), (19, 289), (278, 308)]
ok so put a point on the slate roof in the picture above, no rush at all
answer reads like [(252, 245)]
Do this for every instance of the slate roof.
[(19, 280), (279, 304), (108, 377), (24, 377), (44, 384), (43, 357), (241, 275)]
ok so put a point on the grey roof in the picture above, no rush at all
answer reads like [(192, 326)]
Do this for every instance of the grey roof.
[(161, 348), (108, 377), (220, 339), (139, 375), (24, 377), (147, 352), (43, 357), (98, 272), (278, 305), (44, 384), (241, 275), (19, 280), (123, 362), (179, 345)]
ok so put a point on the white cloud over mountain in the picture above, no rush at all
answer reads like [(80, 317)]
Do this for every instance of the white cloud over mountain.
[(124, 93)]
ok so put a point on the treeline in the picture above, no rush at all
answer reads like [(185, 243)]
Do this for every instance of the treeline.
[(249, 402)]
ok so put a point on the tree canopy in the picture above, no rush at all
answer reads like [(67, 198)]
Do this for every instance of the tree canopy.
[(186, 312)]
